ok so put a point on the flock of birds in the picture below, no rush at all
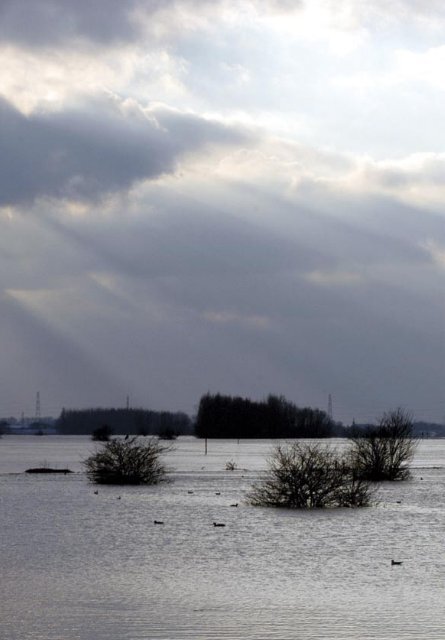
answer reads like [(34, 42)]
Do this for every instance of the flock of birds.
[(215, 524), (394, 563)]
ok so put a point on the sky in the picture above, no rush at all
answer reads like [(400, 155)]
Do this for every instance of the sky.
[(243, 197)]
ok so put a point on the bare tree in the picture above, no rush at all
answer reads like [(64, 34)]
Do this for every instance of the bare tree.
[(383, 452), (305, 476), (127, 462)]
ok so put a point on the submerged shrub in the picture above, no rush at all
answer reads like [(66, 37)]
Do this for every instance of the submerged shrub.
[(127, 462), (307, 476), (383, 452)]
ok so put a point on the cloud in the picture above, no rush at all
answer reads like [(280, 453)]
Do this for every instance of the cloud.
[(314, 292), (393, 16), (82, 154), (278, 6), (68, 23), (437, 252), (416, 180), (169, 250), (44, 22), (42, 355)]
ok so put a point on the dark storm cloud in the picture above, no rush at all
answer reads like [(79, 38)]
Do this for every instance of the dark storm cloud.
[(42, 22), (196, 296), (243, 296), (37, 23), (194, 241), (83, 154)]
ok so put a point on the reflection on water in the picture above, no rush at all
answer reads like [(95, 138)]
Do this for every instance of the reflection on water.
[(76, 565)]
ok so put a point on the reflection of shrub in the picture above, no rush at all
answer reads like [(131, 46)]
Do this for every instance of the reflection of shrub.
[(167, 434), (230, 465), (305, 476), (102, 434), (382, 452), (127, 462)]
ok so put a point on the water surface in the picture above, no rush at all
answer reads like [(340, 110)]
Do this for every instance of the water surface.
[(76, 565)]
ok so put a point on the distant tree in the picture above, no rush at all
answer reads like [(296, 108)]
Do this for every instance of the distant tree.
[(122, 421), (234, 417), (313, 423), (308, 476), (102, 434), (382, 452), (166, 430), (167, 434), (4, 426), (127, 462)]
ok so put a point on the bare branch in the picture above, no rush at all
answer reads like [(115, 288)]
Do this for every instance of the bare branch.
[(305, 476), (127, 462)]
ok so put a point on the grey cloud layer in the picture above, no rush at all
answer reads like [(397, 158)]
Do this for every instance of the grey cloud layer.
[(42, 22), (240, 295), (187, 294), (39, 23), (275, 269), (83, 154), (104, 22)]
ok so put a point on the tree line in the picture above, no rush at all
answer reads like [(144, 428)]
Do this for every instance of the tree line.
[(301, 475), (124, 421), (222, 416)]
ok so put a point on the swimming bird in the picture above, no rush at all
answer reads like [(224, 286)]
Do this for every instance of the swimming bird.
[(218, 493), (96, 493), (234, 505), (219, 524), (395, 563), (158, 522)]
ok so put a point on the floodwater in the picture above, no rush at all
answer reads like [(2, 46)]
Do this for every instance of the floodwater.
[(80, 566)]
